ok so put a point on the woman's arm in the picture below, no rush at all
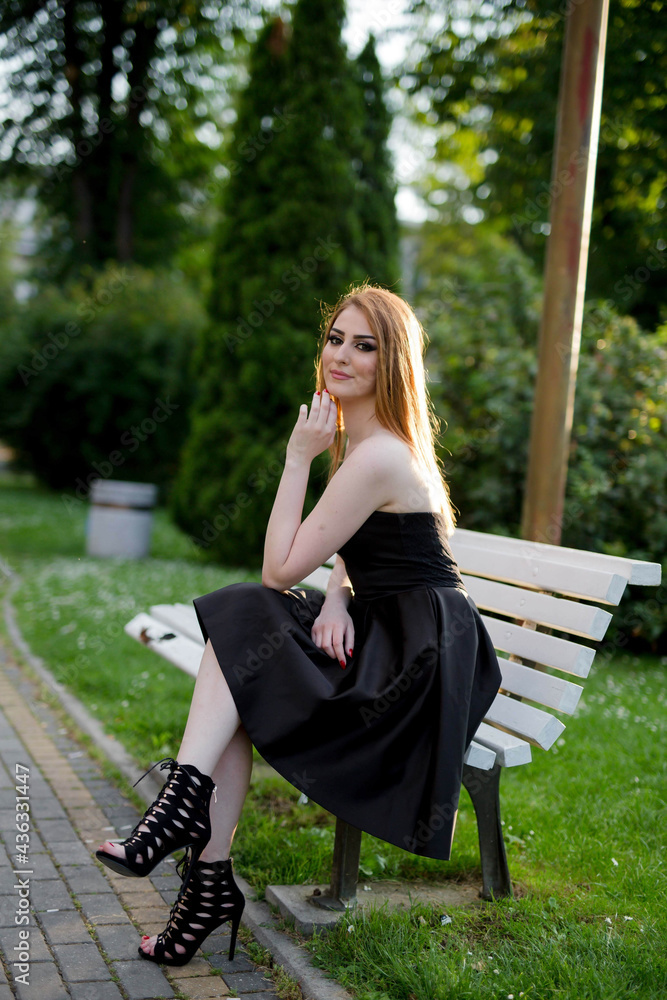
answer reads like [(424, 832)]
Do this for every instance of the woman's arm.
[(339, 588), (364, 482), (286, 514)]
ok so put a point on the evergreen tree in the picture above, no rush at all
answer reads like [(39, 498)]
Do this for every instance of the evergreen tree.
[(291, 237), (377, 190), (101, 117)]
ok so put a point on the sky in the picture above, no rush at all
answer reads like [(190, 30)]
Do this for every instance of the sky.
[(386, 19)]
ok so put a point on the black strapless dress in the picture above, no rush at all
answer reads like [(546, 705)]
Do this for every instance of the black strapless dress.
[(381, 743)]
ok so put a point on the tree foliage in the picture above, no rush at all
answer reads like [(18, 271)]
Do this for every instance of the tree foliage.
[(93, 378), (488, 79), (480, 302), (307, 172), (109, 118)]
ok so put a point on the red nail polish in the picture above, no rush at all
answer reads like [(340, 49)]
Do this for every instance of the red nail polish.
[(350, 652), (342, 663)]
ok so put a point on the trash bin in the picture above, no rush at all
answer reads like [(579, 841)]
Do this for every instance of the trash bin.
[(120, 518)]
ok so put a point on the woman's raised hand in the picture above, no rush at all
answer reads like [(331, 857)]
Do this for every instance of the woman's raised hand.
[(333, 631), (313, 432)]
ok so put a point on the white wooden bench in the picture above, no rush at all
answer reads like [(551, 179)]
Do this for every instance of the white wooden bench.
[(537, 588)]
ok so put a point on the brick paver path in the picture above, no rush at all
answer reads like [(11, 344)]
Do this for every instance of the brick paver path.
[(68, 926)]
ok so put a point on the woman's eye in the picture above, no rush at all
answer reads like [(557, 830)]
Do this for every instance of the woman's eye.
[(332, 337)]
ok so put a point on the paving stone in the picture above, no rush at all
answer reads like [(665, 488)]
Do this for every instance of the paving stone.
[(119, 941), (80, 962), (47, 807), (43, 868), (51, 895), (246, 982), (95, 991), (101, 904), (146, 900), (44, 982), (85, 878), (56, 829), (123, 813), (64, 927), (264, 995), (9, 938), (61, 855), (197, 966), (150, 915), (143, 979), (8, 819), (69, 852), (166, 882), (219, 960), (36, 844), (204, 987), (8, 909)]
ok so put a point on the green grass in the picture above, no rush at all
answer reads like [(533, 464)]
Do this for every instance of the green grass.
[(584, 823)]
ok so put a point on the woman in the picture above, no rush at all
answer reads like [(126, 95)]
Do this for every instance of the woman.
[(379, 743)]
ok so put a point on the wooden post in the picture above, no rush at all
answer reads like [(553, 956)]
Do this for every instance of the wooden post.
[(571, 193)]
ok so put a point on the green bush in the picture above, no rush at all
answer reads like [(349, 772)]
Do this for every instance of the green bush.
[(94, 379), (480, 306)]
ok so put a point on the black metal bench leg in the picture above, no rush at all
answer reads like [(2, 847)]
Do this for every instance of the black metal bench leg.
[(484, 790), (342, 892)]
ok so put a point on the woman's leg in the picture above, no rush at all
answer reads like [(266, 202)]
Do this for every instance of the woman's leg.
[(232, 776), (212, 722)]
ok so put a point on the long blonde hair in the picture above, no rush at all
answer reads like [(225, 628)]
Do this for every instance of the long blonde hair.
[(402, 403)]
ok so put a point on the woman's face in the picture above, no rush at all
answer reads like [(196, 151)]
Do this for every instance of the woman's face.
[(351, 349)]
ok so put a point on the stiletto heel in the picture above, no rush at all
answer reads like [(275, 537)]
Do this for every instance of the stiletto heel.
[(232, 942), (179, 817), (208, 897)]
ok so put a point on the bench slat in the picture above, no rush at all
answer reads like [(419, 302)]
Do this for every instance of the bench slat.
[(636, 571), (478, 755), (179, 650), (526, 721), (318, 579), (539, 686), (180, 618), (549, 650), (510, 751), (588, 584), (555, 612)]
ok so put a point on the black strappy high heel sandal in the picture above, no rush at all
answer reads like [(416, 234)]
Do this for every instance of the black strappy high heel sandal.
[(207, 898), (179, 817)]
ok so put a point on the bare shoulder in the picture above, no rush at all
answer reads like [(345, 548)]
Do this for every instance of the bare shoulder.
[(383, 448), (407, 484)]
